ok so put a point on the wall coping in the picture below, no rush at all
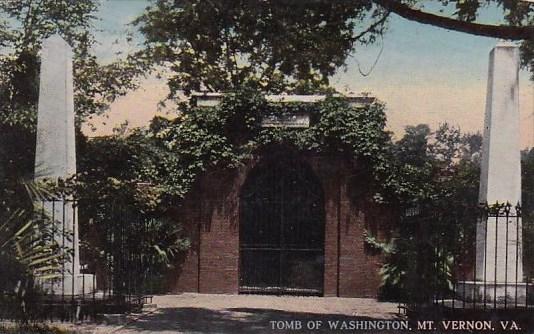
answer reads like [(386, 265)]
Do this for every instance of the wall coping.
[(212, 99)]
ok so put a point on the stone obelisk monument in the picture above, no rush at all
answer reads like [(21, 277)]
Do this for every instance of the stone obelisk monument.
[(499, 265), (56, 154), (500, 178)]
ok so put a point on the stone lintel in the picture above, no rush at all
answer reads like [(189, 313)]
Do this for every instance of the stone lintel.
[(209, 99)]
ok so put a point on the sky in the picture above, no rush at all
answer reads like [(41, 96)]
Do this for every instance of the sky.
[(423, 74)]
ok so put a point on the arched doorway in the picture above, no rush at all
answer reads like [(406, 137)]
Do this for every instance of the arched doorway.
[(282, 225)]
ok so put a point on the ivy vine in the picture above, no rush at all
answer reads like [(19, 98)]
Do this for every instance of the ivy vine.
[(226, 135)]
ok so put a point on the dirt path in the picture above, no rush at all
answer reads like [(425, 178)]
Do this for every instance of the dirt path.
[(195, 313)]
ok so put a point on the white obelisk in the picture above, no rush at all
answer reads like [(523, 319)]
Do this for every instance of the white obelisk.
[(499, 262), (499, 242), (56, 152)]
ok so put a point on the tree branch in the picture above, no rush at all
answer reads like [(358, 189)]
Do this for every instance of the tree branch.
[(372, 27), (496, 31)]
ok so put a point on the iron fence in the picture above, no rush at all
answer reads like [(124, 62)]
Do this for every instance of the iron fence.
[(106, 270), (473, 258)]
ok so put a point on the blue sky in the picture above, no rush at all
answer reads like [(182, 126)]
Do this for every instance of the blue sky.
[(424, 74)]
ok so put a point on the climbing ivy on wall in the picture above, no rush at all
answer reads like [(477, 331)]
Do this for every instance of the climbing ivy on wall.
[(225, 136)]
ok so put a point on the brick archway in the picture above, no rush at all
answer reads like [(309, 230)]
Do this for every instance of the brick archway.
[(211, 217)]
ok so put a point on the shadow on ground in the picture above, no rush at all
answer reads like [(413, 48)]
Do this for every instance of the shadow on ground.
[(236, 320)]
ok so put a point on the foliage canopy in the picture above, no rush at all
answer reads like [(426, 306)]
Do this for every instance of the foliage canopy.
[(24, 25), (273, 46), (296, 46)]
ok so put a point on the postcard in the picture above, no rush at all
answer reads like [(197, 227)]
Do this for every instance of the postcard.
[(266, 166)]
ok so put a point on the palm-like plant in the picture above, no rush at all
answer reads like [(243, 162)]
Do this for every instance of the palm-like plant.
[(29, 254)]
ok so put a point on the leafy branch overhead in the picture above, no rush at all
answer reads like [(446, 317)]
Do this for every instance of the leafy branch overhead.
[(296, 46), (518, 14), (219, 45), (270, 45)]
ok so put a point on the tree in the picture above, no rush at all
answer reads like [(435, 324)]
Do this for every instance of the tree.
[(273, 46), (517, 13), (25, 24), (294, 46), (438, 176), (527, 207), (118, 194), (432, 165)]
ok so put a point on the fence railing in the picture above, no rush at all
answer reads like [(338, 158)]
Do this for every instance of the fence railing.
[(475, 258), (101, 265)]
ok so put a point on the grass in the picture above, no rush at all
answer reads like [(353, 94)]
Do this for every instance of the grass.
[(32, 329)]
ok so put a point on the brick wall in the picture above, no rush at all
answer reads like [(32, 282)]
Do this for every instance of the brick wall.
[(212, 263)]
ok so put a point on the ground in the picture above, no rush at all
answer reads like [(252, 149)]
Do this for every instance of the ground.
[(204, 313)]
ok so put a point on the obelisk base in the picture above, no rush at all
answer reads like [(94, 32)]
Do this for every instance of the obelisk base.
[(72, 285), (491, 293)]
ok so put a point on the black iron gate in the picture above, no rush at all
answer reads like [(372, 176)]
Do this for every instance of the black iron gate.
[(282, 230)]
